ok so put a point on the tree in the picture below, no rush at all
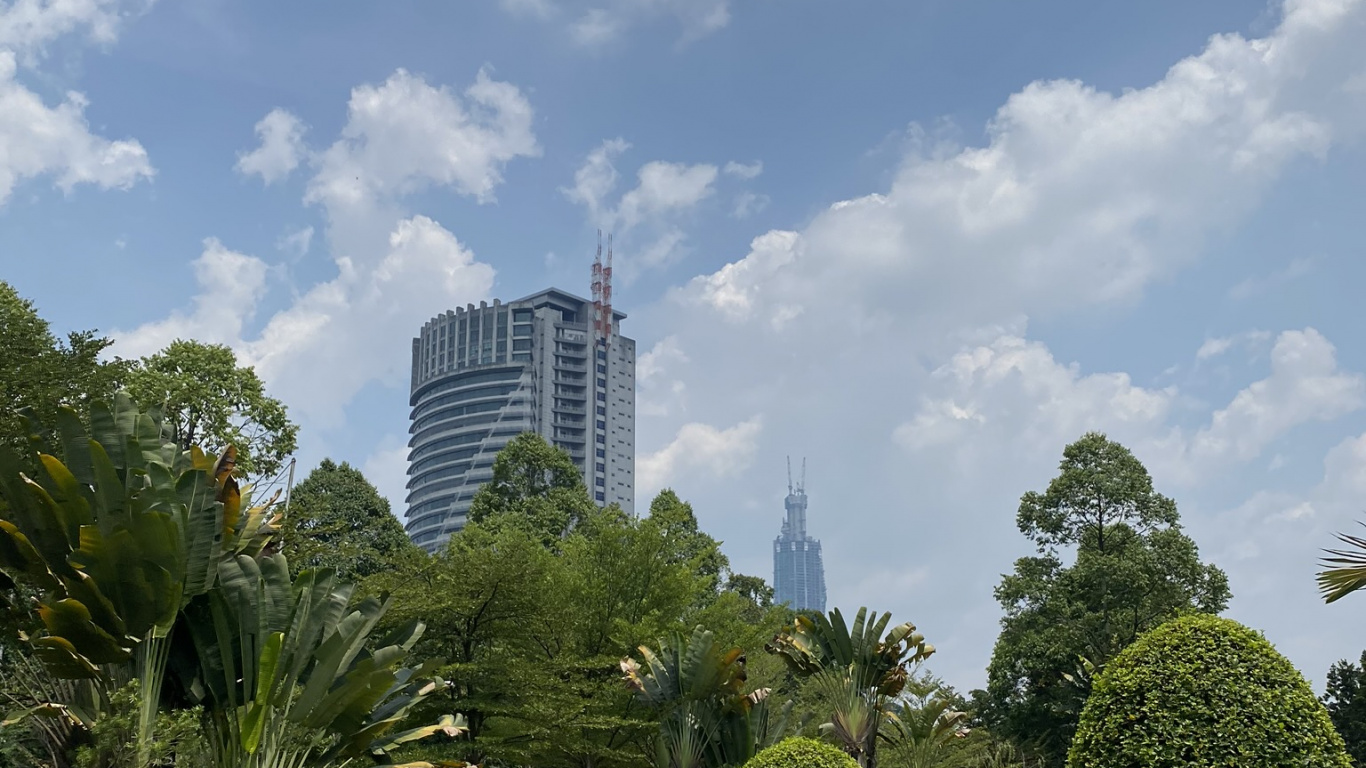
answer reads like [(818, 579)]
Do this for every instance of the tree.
[(208, 400), (534, 484), (676, 520), (1346, 702), (752, 588), (1199, 692), (1134, 569), (338, 520), (40, 372)]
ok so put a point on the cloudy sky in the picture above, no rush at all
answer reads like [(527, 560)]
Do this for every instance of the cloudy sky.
[(923, 244)]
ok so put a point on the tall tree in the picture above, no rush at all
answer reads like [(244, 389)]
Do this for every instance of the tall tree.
[(337, 519), (1134, 568), (209, 400), (1346, 702), (678, 523), (538, 484), (39, 371)]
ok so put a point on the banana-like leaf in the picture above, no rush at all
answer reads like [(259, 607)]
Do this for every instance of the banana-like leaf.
[(1345, 570)]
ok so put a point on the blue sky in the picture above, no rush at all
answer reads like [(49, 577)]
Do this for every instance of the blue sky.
[(923, 244)]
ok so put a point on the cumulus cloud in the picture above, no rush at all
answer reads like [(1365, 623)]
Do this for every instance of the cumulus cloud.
[(406, 135), (281, 149), (27, 26), (744, 170), (1013, 396), (39, 140), (231, 284), (345, 326), (646, 217), (699, 450), (1081, 197), (659, 386)]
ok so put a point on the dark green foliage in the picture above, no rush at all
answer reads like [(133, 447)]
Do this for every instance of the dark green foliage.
[(1346, 702), (703, 553), (40, 372), (209, 401), (753, 588), (534, 485), (338, 520), (1198, 692), (800, 752), (1134, 568)]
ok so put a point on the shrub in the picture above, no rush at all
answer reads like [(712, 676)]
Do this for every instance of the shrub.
[(799, 752), (1204, 691)]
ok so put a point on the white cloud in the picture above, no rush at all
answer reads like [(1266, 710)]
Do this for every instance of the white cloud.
[(56, 141), (699, 449), (345, 326), (1013, 397), (27, 26), (1082, 197), (1257, 286), (744, 171), (645, 220), (747, 204), (387, 468), (296, 243), (597, 178), (1305, 385), (406, 135), (231, 284), (1217, 346), (282, 147), (601, 22), (659, 386)]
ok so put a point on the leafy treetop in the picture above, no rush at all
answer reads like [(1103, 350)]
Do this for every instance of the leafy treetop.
[(533, 484), (337, 519), (208, 400)]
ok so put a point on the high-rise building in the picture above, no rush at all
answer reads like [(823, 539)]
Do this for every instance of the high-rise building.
[(551, 363), (798, 573)]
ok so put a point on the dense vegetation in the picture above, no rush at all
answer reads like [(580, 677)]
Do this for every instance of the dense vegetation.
[(161, 606), (1200, 692)]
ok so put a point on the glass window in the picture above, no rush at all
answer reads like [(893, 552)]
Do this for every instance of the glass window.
[(519, 345), (601, 483), (521, 330), (602, 411), (602, 454), (602, 496), (602, 397), (602, 369), (601, 467), (521, 357), (602, 355), (602, 424), (602, 383), (521, 315), (602, 439)]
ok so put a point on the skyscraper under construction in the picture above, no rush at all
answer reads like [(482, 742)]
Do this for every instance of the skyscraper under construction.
[(798, 573)]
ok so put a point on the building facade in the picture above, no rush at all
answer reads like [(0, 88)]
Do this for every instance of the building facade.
[(798, 571), (483, 375)]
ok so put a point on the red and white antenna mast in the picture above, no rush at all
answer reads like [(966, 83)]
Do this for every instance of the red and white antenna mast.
[(597, 288), (607, 296)]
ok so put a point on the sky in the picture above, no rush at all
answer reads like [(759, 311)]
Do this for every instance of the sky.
[(922, 244)]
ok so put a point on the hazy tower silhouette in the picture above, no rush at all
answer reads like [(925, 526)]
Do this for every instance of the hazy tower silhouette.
[(798, 572)]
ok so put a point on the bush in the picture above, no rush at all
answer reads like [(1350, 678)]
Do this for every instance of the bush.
[(799, 752), (1204, 691)]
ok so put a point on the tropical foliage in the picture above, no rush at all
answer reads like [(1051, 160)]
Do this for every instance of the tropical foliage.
[(150, 564), (799, 752)]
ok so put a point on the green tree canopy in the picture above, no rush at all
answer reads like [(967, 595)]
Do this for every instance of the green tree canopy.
[(208, 400), (39, 371), (534, 484), (677, 522), (338, 520), (1346, 701), (1201, 692), (1133, 569)]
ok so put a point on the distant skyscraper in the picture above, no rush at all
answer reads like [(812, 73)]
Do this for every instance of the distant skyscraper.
[(798, 573), (551, 363)]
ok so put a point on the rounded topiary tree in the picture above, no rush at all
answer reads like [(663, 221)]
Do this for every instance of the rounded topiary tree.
[(1204, 691), (799, 752)]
